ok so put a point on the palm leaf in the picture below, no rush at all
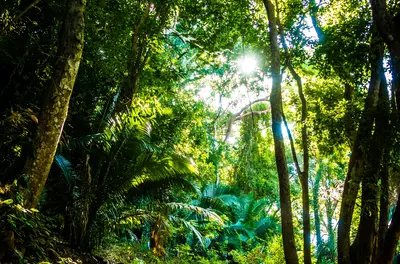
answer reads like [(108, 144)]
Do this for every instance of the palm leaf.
[(66, 168)]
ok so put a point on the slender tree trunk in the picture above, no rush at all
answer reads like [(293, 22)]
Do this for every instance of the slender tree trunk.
[(276, 111), (315, 204), (329, 216), (55, 109), (142, 32), (391, 241), (315, 21), (136, 63), (383, 211), (305, 173)]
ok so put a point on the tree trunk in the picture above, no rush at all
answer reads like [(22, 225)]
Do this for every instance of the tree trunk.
[(136, 63), (276, 111), (329, 216), (142, 33), (391, 241), (315, 204), (357, 159), (383, 211), (305, 173), (387, 25), (55, 109), (370, 187)]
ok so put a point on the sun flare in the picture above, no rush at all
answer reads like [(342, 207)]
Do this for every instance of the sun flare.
[(248, 64)]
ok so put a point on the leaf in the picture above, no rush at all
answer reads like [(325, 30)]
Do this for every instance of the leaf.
[(34, 118), (8, 201)]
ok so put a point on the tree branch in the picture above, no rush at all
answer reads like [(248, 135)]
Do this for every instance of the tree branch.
[(292, 148), (304, 109), (237, 116), (26, 10), (253, 113), (315, 21)]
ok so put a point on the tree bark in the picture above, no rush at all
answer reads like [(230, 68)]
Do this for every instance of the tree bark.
[(357, 159), (55, 109), (383, 211), (303, 175), (315, 21), (330, 208), (370, 187), (136, 63), (142, 32), (391, 241), (276, 111), (315, 204), (387, 25)]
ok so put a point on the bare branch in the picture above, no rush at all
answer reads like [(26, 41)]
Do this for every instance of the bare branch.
[(26, 10), (254, 113), (237, 116)]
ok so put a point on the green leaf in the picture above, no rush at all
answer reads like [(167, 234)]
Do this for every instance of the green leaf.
[(8, 201)]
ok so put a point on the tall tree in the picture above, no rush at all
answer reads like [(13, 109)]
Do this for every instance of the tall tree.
[(303, 174), (55, 108), (145, 29), (358, 158), (276, 112)]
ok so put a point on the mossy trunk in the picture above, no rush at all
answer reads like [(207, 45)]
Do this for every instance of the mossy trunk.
[(55, 108)]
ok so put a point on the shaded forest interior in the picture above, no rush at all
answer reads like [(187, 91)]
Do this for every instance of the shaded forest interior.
[(209, 131)]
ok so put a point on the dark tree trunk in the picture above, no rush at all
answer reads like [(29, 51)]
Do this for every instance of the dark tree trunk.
[(357, 159), (276, 111), (370, 187), (388, 27), (391, 241), (55, 109), (383, 211)]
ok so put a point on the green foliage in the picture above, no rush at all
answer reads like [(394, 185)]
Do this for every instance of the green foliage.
[(24, 231), (158, 182), (126, 253)]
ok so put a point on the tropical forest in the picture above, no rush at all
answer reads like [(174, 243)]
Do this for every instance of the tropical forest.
[(200, 131)]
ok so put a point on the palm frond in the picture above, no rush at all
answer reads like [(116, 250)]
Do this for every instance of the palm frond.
[(191, 227), (66, 167), (81, 142), (213, 190), (206, 213), (157, 187)]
